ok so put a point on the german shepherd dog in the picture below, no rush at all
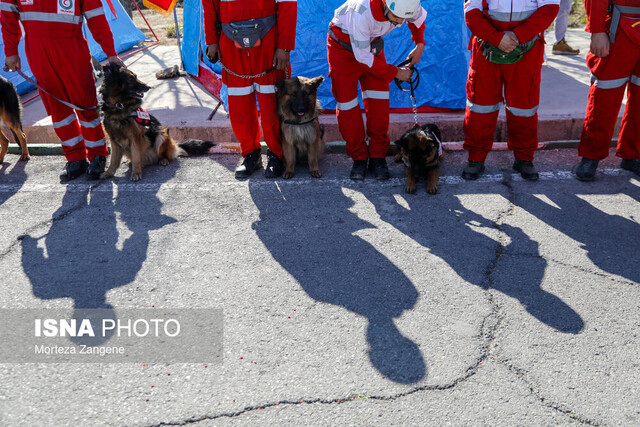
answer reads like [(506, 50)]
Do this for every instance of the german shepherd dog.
[(420, 151), (11, 115), (134, 132), (302, 134)]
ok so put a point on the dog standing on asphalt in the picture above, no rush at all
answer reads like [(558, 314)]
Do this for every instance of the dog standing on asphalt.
[(420, 151), (11, 115), (302, 134), (132, 131)]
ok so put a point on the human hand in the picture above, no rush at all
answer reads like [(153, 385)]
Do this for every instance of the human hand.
[(116, 60), (600, 44), (509, 42), (404, 74), (212, 51), (12, 63), (416, 53), (281, 59)]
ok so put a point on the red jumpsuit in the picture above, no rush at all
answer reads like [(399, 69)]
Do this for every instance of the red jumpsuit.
[(610, 76), (243, 112), (519, 82), (357, 23), (60, 60)]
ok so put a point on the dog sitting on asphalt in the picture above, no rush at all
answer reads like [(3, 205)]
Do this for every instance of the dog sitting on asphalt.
[(421, 151), (302, 134), (11, 115), (132, 131)]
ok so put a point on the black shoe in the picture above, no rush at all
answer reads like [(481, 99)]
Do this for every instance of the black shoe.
[(632, 165), (379, 169), (251, 162), (526, 169), (73, 169), (96, 167), (586, 169), (473, 170), (274, 166), (359, 170)]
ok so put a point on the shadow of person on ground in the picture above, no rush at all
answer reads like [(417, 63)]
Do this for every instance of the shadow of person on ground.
[(319, 249), (611, 241), (95, 243), (452, 232)]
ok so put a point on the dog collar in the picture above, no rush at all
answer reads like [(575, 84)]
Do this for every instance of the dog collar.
[(289, 122)]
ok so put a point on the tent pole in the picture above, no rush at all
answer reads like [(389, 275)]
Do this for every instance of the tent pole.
[(175, 16)]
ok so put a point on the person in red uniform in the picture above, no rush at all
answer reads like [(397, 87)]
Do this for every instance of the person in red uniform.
[(614, 61), (500, 30), (60, 61), (355, 57), (254, 55)]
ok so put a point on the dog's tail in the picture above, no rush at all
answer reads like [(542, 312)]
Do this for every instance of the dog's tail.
[(196, 147)]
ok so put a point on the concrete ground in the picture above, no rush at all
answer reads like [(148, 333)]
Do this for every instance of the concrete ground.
[(497, 302)]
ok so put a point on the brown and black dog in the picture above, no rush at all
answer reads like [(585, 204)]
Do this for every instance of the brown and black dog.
[(302, 134), (134, 132), (11, 115), (420, 151)]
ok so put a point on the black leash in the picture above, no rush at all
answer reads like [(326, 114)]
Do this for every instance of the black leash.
[(413, 85)]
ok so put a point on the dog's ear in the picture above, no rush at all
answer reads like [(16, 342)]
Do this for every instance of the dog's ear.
[(316, 82), (402, 143), (279, 86), (109, 68), (433, 129)]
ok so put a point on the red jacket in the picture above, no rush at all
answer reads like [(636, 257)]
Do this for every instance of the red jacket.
[(242, 10), (598, 17), (53, 19)]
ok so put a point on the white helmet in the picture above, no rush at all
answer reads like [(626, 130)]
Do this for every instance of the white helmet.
[(403, 8)]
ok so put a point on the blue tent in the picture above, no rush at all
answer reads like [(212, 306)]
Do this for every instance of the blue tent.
[(125, 34), (443, 68)]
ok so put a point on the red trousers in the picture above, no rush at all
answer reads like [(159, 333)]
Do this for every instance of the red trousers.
[(345, 72), (520, 83), (63, 67), (611, 75), (242, 93)]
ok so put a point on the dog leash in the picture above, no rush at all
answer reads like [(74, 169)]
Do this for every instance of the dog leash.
[(68, 104), (413, 85)]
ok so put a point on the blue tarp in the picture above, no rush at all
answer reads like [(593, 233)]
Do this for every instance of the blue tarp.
[(125, 34), (443, 68)]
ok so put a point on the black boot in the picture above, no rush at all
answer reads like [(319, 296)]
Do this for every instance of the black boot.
[(526, 169), (586, 169), (379, 169), (73, 169), (359, 170), (96, 167), (473, 170), (274, 166), (632, 165), (251, 162)]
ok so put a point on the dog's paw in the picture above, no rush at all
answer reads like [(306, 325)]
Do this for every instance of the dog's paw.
[(410, 188), (398, 158), (163, 162), (287, 175), (106, 175), (432, 188), (315, 174), (25, 156), (136, 177)]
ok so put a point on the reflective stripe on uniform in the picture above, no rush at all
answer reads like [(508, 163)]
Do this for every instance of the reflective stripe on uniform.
[(635, 80), (521, 112), (375, 94), (361, 44), (264, 88), (608, 84), (71, 142), (65, 121), (50, 17), (93, 13), (344, 106), (477, 108), (94, 144), (6, 7), (240, 91), (91, 124), (511, 16)]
